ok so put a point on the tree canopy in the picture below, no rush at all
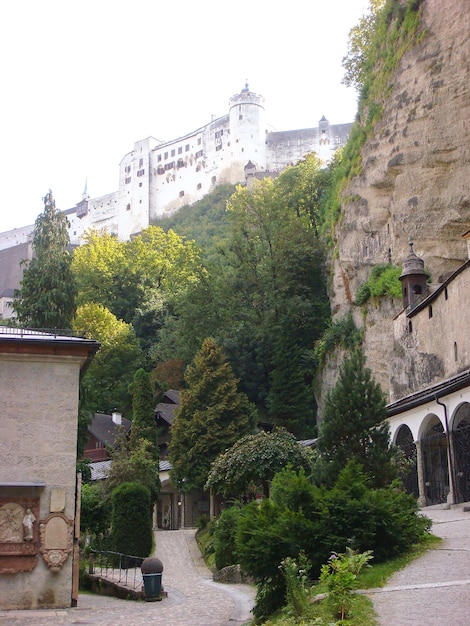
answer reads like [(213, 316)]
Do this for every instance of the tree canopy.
[(354, 425), (47, 294), (212, 416), (254, 460)]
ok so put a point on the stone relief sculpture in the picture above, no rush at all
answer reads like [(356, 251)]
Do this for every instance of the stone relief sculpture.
[(11, 519), (28, 521)]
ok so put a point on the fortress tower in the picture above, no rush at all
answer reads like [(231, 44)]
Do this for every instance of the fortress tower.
[(247, 132)]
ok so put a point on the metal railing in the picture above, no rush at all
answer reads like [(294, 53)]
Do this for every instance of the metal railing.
[(123, 569), (28, 332)]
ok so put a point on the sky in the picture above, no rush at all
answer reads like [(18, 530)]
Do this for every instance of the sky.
[(82, 81)]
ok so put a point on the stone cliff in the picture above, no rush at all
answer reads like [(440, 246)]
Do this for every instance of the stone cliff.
[(414, 184)]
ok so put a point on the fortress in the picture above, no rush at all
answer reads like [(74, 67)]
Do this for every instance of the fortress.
[(157, 178)]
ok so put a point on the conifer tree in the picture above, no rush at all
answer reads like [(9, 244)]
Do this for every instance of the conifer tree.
[(354, 425), (144, 425), (46, 298), (212, 416)]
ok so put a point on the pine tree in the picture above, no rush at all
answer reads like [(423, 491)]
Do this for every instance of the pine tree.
[(212, 416), (144, 425), (354, 425), (47, 295)]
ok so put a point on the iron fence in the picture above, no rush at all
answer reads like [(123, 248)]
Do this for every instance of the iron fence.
[(116, 567)]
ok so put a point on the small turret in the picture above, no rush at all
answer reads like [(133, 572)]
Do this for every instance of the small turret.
[(413, 280)]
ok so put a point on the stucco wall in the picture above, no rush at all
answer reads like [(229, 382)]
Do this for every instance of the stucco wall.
[(38, 400)]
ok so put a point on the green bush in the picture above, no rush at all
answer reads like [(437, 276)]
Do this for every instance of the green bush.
[(319, 521), (131, 520), (383, 281), (95, 515), (224, 537)]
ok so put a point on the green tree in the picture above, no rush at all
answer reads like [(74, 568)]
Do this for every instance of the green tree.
[(254, 460), (46, 298), (144, 425), (111, 371), (212, 416), (354, 425), (135, 464)]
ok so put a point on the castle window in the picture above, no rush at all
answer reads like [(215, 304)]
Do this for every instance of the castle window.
[(417, 290), (219, 134), (141, 162), (128, 207), (180, 150), (140, 172), (165, 156), (159, 158), (199, 141), (218, 146), (213, 180), (240, 117), (455, 351), (173, 152), (199, 186), (410, 327), (446, 295), (140, 184), (128, 180), (181, 194), (169, 166), (199, 154), (161, 170), (186, 148), (180, 163)]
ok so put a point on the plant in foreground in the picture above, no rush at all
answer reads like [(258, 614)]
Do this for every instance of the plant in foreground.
[(340, 576), (297, 584)]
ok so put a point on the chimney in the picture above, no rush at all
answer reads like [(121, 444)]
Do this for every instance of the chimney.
[(117, 418)]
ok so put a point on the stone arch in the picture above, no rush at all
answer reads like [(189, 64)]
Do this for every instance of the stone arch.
[(433, 441), (404, 440), (460, 441)]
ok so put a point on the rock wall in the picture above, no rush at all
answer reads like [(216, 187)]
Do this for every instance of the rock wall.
[(415, 180)]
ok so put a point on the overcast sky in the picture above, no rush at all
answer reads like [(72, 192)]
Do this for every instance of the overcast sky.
[(82, 81)]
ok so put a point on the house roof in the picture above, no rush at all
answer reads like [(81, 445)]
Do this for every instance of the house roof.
[(105, 430), (172, 396), (166, 412), (100, 469)]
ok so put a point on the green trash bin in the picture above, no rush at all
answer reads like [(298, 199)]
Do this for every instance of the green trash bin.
[(152, 587)]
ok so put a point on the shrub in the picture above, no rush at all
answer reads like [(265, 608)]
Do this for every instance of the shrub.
[(224, 538), (132, 520)]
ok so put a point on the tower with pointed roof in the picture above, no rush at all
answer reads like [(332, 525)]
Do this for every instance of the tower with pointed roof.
[(413, 279)]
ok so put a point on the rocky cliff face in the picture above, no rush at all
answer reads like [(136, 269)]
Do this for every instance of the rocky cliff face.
[(415, 184)]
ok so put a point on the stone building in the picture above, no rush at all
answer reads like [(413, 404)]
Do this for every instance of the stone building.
[(429, 412), (39, 530)]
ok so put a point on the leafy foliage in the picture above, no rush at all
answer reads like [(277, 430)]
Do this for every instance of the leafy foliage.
[(254, 460), (354, 425), (383, 281), (212, 415), (300, 517), (131, 520), (224, 537), (340, 576), (342, 333), (144, 425), (46, 298), (95, 515), (111, 371), (135, 464)]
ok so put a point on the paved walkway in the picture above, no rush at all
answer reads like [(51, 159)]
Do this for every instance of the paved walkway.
[(435, 588), (193, 598)]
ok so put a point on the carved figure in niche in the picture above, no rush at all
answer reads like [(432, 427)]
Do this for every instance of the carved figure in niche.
[(28, 521), (11, 515)]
